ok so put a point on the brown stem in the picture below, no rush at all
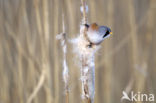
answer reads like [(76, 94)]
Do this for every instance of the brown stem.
[(89, 100), (67, 96), (84, 12)]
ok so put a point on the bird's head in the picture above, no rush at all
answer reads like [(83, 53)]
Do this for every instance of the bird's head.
[(96, 34), (104, 31)]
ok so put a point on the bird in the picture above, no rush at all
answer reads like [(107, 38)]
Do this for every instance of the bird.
[(96, 34)]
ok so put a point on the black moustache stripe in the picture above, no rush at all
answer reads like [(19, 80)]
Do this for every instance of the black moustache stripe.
[(107, 33)]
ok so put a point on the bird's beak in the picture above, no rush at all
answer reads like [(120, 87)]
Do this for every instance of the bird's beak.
[(111, 33)]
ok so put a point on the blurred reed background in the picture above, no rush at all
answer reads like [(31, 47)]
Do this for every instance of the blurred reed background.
[(31, 57)]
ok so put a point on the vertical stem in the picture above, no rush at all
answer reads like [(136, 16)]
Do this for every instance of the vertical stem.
[(88, 79), (84, 20), (87, 60), (67, 97), (65, 73)]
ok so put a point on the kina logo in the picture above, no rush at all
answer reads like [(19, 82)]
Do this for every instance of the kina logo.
[(137, 97)]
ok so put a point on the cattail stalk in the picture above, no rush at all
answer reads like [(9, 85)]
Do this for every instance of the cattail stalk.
[(84, 9), (65, 73), (86, 55)]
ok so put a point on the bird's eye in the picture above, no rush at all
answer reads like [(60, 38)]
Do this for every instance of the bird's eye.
[(107, 33)]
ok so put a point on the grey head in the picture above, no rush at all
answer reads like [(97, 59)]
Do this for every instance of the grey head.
[(104, 31)]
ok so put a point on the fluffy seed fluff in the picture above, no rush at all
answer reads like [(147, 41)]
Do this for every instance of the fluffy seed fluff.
[(65, 72), (81, 9), (86, 56), (80, 45)]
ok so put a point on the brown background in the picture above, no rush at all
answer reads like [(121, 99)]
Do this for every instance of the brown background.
[(28, 47)]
